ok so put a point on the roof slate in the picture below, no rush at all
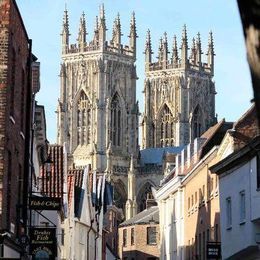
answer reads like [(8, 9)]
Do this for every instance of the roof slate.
[(144, 217), (155, 155)]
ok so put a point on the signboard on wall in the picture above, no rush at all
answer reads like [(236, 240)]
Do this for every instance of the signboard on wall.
[(44, 203), (43, 242), (213, 251)]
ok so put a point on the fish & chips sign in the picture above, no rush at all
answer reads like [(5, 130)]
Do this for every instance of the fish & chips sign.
[(45, 203)]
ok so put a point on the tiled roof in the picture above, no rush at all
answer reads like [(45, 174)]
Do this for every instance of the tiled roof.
[(75, 179), (155, 155), (214, 136), (52, 183), (243, 120), (210, 132), (144, 217), (245, 128)]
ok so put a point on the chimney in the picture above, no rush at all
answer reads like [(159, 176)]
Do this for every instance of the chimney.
[(198, 142), (190, 152), (183, 159), (177, 164), (150, 201)]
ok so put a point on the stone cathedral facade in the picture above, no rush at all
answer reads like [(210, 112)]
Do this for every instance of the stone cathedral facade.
[(179, 93), (98, 111)]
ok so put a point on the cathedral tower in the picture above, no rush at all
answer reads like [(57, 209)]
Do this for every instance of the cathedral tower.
[(97, 111), (179, 93)]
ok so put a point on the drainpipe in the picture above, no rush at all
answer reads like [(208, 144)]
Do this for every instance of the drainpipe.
[(90, 228), (27, 148), (27, 143)]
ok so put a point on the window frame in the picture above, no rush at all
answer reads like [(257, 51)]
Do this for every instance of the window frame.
[(151, 240), (124, 237), (242, 206), (132, 236), (228, 213)]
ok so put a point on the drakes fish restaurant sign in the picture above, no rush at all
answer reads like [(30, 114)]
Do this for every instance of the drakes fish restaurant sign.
[(45, 203), (43, 243)]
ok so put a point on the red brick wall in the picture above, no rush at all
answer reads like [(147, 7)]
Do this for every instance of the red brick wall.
[(13, 39)]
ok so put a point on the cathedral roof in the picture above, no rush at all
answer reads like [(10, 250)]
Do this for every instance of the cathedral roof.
[(144, 217), (155, 155)]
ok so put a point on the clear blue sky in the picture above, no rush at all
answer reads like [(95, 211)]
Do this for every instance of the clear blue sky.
[(43, 20)]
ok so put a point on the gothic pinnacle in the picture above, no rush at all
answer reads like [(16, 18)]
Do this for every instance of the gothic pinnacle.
[(96, 24), (175, 58), (102, 11), (160, 50), (132, 23), (102, 26), (165, 42), (148, 44), (198, 50), (133, 34), (211, 43), (102, 17), (95, 38), (148, 49), (198, 43), (82, 32), (184, 47), (65, 31), (65, 24), (193, 51), (118, 24), (116, 38), (211, 53), (184, 35), (165, 50)]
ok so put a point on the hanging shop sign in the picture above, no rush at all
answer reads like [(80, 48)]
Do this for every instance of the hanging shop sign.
[(43, 242), (44, 203), (213, 251)]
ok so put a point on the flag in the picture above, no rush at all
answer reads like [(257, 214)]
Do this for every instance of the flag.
[(108, 196), (99, 193), (94, 188), (83, 190), (65, 181)]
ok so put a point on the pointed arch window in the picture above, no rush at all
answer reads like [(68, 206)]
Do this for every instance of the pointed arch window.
[(83, 120), (144, 194), (116, 123), (166, 124)]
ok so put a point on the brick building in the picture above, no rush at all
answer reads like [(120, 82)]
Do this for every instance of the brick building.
[(112, 218), (15, 120), (139, 236)]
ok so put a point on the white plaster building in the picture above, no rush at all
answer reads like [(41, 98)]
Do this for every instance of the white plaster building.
[(188, 204), (239, 188), (170, 203)]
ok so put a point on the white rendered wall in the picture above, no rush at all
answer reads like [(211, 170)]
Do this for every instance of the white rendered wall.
[(240, 235), (171, 220)]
